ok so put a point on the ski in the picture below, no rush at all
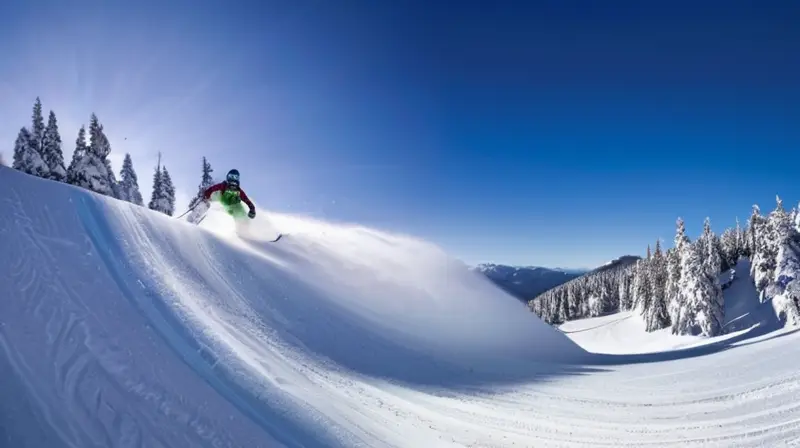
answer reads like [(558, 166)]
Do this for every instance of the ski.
[(280, 235)]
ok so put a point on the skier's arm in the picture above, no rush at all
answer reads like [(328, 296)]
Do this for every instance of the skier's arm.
[(247, 201), (212, 189)]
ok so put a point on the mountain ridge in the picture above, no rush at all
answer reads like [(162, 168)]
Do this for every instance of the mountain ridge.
[(525, 282)]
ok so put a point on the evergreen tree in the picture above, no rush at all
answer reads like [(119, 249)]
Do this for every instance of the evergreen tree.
[(37, 132), (573, 306), (199, 209), (162, 198), (105, 148), (20, 149), (675, 298), (169, 192), (2, 160), (782, 224), (625, 297), (771, 233), (655, 315), (35, 142), (92, 171), (26, 158), (52, 153), (158, 189), (74, 176), (712, 263), (712, 260), (754, 226), (129, 182), (730, 250), (641, 288), (701, 312)]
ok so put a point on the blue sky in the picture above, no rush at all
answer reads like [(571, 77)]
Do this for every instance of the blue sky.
[(555, 133)]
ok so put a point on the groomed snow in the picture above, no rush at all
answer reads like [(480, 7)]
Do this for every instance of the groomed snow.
[(120, 326)]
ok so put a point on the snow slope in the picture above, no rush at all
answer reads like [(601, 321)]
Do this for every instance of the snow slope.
[(123, 327)]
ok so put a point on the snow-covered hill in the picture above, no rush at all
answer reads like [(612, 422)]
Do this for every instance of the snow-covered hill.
[(122, 327)]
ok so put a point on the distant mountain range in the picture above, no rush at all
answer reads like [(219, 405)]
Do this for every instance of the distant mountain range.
[(527, 282)]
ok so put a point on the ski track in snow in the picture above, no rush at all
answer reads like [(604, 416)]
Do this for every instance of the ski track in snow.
[(121, 327)]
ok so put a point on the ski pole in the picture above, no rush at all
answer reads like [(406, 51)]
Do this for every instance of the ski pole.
[(187, 211)]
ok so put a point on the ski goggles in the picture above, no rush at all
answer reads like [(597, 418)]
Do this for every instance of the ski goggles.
[(233, 176)]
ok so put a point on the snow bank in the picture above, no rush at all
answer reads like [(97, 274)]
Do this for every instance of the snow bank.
[(120, 326)]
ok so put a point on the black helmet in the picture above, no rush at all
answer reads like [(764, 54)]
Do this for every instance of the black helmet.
[(233, 176)]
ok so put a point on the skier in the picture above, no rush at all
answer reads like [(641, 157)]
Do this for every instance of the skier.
[(231, 195)]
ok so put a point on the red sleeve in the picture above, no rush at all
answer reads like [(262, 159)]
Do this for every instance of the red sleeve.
[(212, 189), (247, 200)]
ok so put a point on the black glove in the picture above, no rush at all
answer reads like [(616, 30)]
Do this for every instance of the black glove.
[(252, 213)]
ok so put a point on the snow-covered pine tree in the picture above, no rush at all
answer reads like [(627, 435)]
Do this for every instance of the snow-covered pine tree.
[(641, 285), (26, 158), (611, 287), (105, 148), (112, 179), (770, 236), (782, 224), (675, 297), (700, 313), (52, 153), (784, 288), (74, 176), (572, 302), (37, 131), (625, 295), (755, 227), (712, 259), (37, 138), (169, 192), (92, 170), (585, 293), (655, 315), (20, 148), (162, 198), (198, 209), (129, 182), (156, 196), (712, 264), (730, 250)]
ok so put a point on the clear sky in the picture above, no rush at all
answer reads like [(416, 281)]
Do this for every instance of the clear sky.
[(555, 133)]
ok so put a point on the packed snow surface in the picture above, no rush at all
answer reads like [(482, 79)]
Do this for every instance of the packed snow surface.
[(120, 326)]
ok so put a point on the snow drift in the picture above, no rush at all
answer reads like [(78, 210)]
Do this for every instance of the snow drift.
[(120, 326)]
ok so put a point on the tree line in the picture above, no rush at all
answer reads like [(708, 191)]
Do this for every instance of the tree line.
[(38, 151), (680, 288)]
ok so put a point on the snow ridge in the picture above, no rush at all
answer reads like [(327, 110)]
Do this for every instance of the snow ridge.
[(167, 334)]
